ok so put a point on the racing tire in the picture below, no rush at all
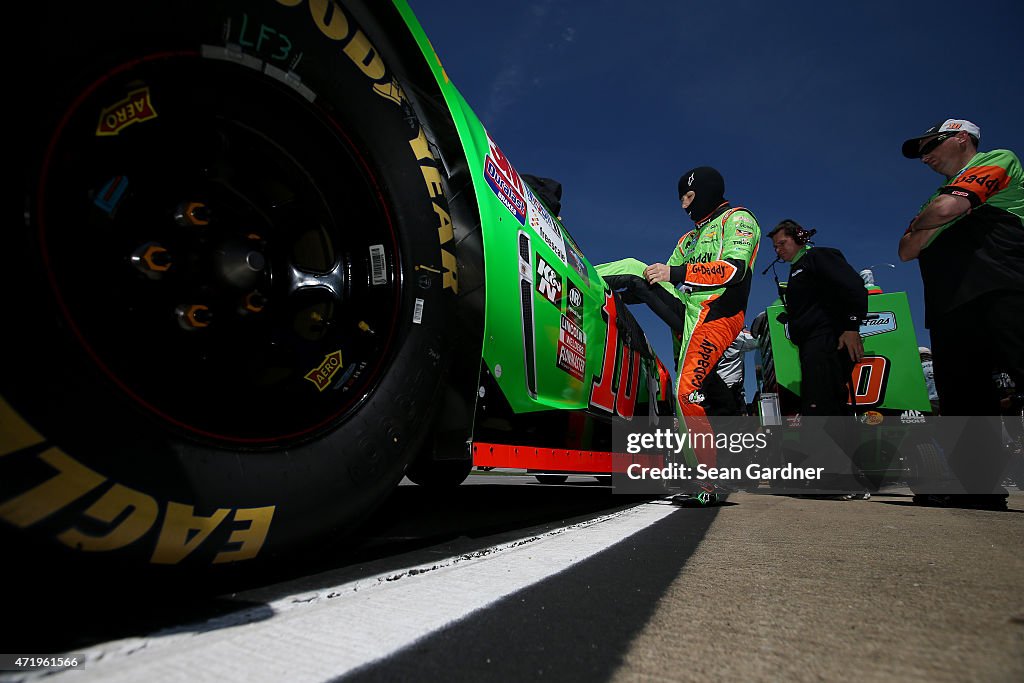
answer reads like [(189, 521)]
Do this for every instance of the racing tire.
[(231, 293)]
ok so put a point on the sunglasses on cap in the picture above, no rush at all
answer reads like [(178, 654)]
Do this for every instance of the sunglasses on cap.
[(934, 142)]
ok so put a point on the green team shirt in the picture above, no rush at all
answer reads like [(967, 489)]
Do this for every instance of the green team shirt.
[(983, 250)]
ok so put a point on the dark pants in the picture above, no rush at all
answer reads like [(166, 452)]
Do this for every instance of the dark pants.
[(972, 343), (969, 345), (824, 376)]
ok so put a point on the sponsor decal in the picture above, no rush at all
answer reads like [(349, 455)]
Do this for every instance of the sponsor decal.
[(135, 108), (549, 282), (695, 397), (872, 417), (878, 323), (322, 375), (505, 182), (744, 233), (912, 417), (541, 221), (572, 349), (504, 191), (574, 305), (575, 259)]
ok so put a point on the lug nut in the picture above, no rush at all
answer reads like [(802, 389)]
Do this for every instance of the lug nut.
[(152, 260), (254, 302), (193, 316), (192, 213)]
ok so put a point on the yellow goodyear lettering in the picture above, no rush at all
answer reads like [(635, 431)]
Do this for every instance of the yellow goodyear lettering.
[(72, 481), (327, 16), (121, 515), (136, 511), (445, 233), (183, 531), (250, 539), (335, 25), (15, 433), (332, 21)]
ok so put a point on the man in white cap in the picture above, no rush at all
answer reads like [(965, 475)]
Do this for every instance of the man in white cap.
[(969, 241)]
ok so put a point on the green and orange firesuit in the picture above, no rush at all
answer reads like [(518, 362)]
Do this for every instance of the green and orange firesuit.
[(713, 264), (712, 267)]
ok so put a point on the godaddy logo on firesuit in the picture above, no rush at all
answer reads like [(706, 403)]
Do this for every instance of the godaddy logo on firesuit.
[(705, 351), (701, 269)]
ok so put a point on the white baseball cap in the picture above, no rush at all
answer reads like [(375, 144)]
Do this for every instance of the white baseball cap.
[(911, 148)]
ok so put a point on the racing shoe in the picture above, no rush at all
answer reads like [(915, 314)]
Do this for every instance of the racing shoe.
[(699, 494)]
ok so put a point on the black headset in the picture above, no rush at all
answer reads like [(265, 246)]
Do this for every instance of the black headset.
[(804, 236)]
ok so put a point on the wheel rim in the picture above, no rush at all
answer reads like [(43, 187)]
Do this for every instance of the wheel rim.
[(220, 249)]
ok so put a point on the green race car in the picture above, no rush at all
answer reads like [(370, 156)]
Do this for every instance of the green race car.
[(271, 263)]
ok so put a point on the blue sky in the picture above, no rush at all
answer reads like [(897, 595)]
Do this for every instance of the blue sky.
[(801, 105)]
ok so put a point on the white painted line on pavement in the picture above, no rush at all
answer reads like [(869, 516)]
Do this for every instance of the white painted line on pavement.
[(323, 634)]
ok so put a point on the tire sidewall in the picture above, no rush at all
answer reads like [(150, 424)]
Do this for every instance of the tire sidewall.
[(310, 488)]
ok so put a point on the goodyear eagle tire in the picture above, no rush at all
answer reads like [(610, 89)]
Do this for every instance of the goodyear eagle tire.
[(229, 292)]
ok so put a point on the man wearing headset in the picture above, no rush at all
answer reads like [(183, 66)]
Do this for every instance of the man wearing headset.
[(825, 301)]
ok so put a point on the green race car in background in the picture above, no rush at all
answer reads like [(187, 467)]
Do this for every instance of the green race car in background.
[(888, 393), (272, 262)]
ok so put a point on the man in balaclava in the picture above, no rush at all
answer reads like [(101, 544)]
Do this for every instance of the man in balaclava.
[(709, 273)]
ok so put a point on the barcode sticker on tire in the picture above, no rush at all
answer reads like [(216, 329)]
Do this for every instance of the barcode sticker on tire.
[(417, 312), (378, 265)]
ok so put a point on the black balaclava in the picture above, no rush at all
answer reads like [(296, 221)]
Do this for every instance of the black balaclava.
[(709, 188)]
